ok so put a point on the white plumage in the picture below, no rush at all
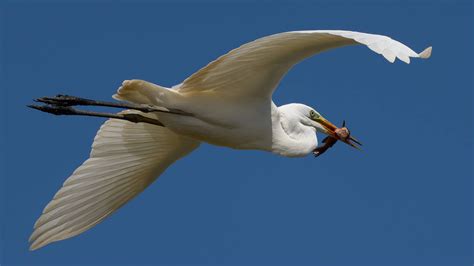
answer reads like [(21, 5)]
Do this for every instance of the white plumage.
[(231, 103), (124, 160)]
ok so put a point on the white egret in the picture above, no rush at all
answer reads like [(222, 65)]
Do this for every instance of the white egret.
[(226, 103)]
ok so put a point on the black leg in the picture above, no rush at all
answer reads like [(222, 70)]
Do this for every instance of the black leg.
[(68, 110), (66, 100)]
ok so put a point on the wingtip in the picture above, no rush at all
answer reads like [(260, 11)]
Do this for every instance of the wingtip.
[(33, 240), (426, 53), (34, 246)]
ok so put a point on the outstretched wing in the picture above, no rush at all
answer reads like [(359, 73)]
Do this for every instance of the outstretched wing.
[(125, 159), (255, 69)]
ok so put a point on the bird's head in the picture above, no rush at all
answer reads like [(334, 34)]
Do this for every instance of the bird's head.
[(309, 117)]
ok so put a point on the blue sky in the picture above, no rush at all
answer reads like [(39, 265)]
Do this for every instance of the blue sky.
[(405, 200)]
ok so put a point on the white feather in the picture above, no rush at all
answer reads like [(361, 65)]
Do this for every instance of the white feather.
[(125, 158), (255, 68)]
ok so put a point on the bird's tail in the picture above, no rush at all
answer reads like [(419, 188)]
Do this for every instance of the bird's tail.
[(144, 92)]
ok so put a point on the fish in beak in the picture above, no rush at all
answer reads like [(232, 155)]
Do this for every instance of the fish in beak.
[(334, 134)]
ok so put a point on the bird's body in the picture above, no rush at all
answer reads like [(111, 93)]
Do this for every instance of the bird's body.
[(230, 124), (230, 104), (250, 124)]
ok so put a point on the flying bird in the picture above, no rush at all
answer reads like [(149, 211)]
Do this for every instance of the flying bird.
[(226, 103)]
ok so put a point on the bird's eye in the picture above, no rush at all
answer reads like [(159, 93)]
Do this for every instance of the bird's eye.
[(313, 114)]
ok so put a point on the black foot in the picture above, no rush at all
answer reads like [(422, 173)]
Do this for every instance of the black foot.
[(66, 100), (62, 105), (55, 110), (68, 110)]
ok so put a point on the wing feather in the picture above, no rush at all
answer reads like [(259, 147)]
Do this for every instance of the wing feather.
[(255, 68), (125, 159)]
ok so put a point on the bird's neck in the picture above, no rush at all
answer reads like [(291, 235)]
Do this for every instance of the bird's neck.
[(291, 138)]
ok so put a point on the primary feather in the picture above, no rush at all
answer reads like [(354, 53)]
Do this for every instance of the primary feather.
[(124, 160), (255, 68)]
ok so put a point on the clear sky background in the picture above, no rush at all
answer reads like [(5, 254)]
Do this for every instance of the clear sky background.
[(405, 200)]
